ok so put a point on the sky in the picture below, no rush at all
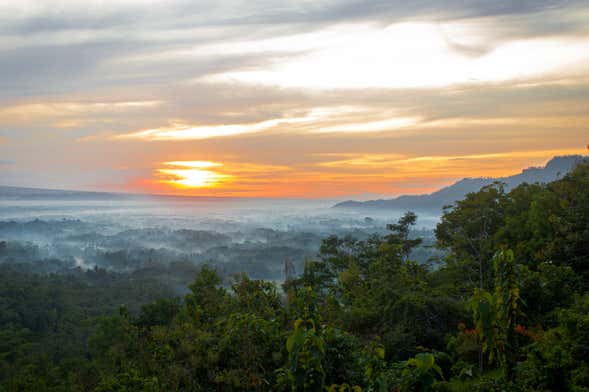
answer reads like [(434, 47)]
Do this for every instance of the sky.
[(280, 98)]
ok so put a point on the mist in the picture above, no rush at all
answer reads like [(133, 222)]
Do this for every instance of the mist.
[(170, 237)]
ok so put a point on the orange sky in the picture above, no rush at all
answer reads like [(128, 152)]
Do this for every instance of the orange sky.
[(376, 174), (287, 99)]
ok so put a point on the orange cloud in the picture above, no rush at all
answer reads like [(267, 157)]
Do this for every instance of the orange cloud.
[(65, 115)]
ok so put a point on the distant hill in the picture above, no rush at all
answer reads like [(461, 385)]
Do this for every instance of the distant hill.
[(554, 169), (20, 193)]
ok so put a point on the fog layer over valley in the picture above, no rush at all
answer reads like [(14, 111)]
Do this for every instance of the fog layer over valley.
[(169, 238)]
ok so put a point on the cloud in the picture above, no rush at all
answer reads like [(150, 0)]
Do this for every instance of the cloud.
[(435, 163), (318, 119), (33, 16), (410, 55), (75, 113), (72, 47), (187, 132)]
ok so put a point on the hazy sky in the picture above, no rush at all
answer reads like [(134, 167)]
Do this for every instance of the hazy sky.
[(287, 98)]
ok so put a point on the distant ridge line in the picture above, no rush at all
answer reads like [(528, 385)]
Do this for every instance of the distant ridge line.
[(554, 169), (8, 192)]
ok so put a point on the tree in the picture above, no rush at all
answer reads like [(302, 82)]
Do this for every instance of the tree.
[(496, 314), (467, 229), (400, 234)]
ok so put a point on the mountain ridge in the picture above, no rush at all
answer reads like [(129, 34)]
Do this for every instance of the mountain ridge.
[(17, 192), (554, 169)]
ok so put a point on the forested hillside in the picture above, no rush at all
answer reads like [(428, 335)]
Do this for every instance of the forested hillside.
[(506, 310)]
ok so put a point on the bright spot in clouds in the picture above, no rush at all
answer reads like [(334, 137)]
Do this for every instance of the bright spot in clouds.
[(192, 174), (406, 55)]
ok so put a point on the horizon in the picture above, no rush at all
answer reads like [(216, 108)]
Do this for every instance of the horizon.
[(293, 100), (365, 197)]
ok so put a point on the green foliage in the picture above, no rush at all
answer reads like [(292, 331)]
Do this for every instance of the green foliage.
[(306, 351), (468, 229), (559, 357), (541, 223), (496, 314), (420, 373), (399, 235)]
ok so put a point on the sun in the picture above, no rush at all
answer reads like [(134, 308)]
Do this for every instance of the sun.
[(193, 174)]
